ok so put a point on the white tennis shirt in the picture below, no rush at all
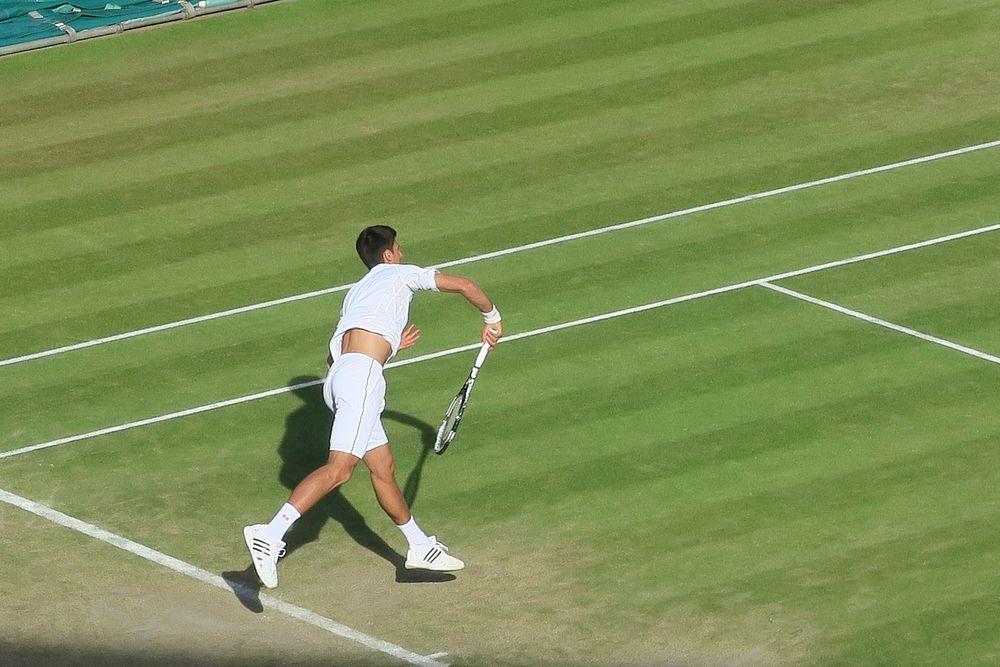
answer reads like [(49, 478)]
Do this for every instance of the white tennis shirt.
[(380, 303)]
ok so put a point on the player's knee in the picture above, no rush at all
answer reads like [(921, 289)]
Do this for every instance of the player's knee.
[(336, 474)]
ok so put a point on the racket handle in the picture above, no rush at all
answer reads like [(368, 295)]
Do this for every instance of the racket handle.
[(483, 351)]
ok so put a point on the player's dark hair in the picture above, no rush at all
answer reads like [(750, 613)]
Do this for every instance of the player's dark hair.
[(373, 241)]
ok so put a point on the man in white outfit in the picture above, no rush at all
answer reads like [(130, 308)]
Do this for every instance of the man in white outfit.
[(369, 333)]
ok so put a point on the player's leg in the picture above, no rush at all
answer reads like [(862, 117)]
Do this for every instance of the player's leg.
[(383, 473), (265, 541), (356, 389), (382, 465), (424, 552), (338, 470)]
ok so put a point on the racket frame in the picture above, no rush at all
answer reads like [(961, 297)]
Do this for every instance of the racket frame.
[(443, 439)]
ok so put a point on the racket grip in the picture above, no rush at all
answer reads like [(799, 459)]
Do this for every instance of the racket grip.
[(483, 351)]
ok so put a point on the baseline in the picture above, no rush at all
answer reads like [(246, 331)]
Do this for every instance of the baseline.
[(189, 570), (762, 282), (509, 251), (880, 322)]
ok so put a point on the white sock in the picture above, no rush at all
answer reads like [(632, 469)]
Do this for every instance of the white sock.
[(414, 535), (281, 522)]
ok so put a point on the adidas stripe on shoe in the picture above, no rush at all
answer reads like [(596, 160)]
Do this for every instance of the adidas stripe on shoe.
[(432, 556)]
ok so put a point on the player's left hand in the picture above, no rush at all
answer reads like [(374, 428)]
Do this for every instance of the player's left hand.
[(410, 337)]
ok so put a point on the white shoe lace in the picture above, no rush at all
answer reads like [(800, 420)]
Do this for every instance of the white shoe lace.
[(434, 543)]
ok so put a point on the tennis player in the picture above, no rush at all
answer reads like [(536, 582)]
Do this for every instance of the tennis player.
[(369, 333)]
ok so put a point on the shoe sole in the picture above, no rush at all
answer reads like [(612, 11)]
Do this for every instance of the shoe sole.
[(434, 569)]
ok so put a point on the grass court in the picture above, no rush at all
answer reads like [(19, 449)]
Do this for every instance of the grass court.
[(737, 474)]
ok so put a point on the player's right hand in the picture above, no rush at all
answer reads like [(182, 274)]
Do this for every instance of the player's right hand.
[(492, 333)]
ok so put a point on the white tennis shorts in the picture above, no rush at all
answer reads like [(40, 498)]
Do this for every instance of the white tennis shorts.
[(355, 391)]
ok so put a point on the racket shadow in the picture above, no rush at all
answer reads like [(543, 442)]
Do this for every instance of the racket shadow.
[(304, 448)]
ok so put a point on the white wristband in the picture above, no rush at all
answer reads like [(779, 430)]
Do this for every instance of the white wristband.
[(492, 317)]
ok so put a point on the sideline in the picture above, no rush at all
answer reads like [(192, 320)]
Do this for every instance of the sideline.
[(509, 251), (189, 570)]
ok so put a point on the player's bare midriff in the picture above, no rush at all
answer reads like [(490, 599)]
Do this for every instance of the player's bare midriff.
[(367, 343)]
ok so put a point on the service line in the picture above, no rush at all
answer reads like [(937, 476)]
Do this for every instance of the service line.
[(880, 322), (510, 251)]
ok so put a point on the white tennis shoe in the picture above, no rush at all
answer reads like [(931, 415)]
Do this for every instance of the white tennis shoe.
[(264, 552), (432, 556)]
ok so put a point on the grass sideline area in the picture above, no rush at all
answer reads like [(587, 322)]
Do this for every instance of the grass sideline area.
[(743, 477)]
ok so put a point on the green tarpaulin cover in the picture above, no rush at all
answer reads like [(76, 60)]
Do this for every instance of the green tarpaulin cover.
[(23, 21), (26, 21)]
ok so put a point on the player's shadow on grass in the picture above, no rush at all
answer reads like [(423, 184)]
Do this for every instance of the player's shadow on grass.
[(305, 447)]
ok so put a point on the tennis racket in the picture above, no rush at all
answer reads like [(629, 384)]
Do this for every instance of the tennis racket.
[(452, 418)]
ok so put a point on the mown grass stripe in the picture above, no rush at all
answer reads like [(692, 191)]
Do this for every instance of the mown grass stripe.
[(313, 44), (680, 75), (230, 95), (508, 339), (675, 214)]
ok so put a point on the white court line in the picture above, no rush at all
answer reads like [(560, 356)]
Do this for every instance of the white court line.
[(177, 565), (513, 337), (510, 251), (882, 323), (216, 406)]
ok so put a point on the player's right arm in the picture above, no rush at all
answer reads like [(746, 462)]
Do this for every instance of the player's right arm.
[(474, 294)]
